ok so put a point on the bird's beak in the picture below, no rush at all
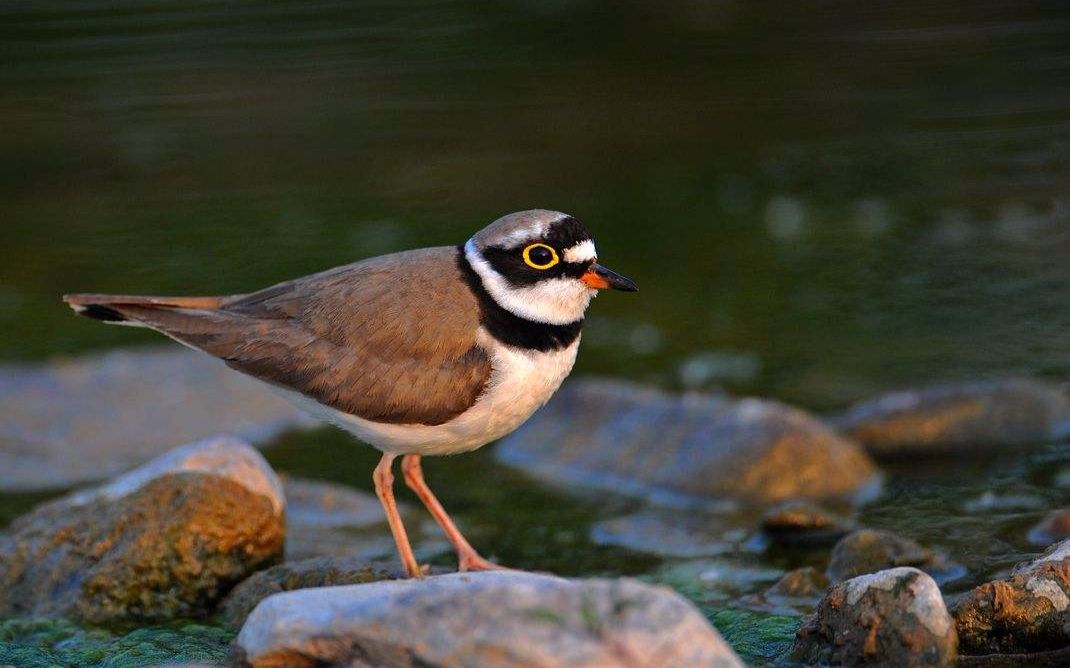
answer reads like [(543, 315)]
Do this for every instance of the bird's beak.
[(600, 278)]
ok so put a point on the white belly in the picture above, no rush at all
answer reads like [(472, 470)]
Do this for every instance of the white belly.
[(520, 383)]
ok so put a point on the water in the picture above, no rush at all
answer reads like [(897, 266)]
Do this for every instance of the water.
[(819, 200)]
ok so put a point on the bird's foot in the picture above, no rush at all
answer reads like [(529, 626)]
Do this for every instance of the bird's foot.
[(471, 561)]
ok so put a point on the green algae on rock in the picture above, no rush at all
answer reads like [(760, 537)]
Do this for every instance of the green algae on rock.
[(164, 541), (305, 574), (60, 643)]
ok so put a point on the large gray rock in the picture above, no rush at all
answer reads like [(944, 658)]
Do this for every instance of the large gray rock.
[(640, 440), (1027, 612), (124, 407), (500, 619), (165, 540), (954, 419), (894, 618)]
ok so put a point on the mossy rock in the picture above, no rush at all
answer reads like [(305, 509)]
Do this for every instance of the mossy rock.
[(60, 643)]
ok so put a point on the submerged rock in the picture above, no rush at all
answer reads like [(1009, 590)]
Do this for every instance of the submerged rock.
[(893, 618), (165, 540), (306, 574), (326, 519), (482, 619), (801, 522), (801, 583), (1027, 612), (1054, 527), (643, 441), (871, 550), (125, 407), (671, 533), (959, 419)]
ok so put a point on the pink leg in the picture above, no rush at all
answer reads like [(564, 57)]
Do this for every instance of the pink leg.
[(468, 558), (384, 489)]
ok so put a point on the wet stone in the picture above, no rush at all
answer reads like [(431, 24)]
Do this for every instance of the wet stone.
[(672, 533), (959, 419), (305, 574), (125, 407), (1053, 528), (1026, 612), (801, 522), (691, 447), (523, 620), (163, 541), (871, 550), (894, 618)]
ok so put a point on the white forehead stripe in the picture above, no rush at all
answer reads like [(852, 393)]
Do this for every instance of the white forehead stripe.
[(581, 252)]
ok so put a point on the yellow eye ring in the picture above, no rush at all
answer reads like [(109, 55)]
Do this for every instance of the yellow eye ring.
[(545, 265)]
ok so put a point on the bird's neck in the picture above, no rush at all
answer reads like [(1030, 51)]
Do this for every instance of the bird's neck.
[(506, 315)]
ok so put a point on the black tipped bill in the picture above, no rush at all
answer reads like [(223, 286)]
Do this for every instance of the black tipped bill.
[(600, 278)]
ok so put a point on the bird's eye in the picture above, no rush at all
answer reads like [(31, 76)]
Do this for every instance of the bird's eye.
[(540, 256)]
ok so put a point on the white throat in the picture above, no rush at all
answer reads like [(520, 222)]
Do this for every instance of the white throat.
[(555, 301)]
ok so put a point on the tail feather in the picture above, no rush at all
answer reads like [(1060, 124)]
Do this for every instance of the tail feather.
[(110, 308)]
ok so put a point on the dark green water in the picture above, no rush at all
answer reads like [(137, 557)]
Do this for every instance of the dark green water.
[(820, 200)]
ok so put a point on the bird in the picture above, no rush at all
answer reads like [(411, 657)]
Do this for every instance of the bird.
[(425, 352)]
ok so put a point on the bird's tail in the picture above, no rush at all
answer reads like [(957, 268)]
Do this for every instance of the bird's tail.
[(131, 309)]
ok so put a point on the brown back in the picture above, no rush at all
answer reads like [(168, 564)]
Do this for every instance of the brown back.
[(389, 339)]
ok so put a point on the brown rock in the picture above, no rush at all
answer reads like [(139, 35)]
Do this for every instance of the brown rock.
[(1027, 612), (163, 541), (803, 583), (306, 574), (953, 419), (643, 441), (894, 618), (801, 522), (871, 550), (1053, 528)]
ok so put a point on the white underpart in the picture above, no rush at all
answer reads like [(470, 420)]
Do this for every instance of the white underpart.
[(556, 301), (521, 382), (581, 252)]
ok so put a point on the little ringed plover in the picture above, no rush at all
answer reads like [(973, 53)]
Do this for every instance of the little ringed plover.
[(425, 352)]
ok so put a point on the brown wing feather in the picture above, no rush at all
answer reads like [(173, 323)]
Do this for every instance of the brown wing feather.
[(390, 339)]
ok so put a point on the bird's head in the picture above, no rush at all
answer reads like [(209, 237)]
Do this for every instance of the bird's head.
[(541, 265)]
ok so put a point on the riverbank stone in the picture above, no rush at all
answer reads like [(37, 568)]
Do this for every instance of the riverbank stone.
[(501, 618), (125, 407), (871, 550), (959, 419), (689, 448), (1026, 612), (893, 618), (801, 522), (163, 541), (1053, 528)]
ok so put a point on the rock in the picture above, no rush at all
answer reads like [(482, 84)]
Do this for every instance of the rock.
[(507, 619), (806, 582), (671, 533), (871, 550), (801, 522), (165, 540), (1027, 612), (125, 407), (1054, 527), (958, 419), (893, 618), (328, 519), (306, 574), (692, 447)]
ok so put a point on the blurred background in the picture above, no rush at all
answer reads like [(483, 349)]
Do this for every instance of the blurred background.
[(820, 200)]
